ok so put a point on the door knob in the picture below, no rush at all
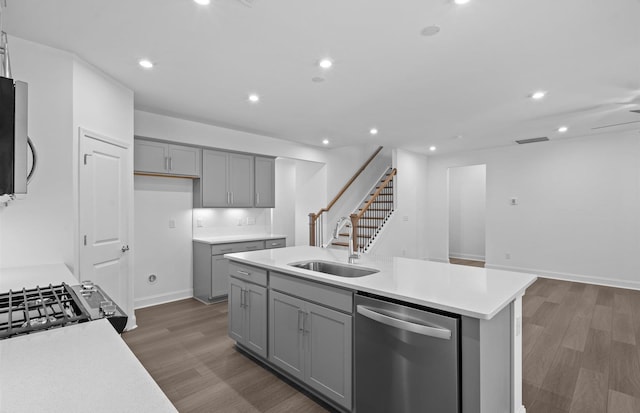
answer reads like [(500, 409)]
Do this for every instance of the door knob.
[(125, 248)]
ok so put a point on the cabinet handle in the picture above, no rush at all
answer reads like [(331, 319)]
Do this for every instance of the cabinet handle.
[(304, 323), (244, 272), (241, 298), (170, 163), (257, 198), (166, 163), (231, 198), (274, 244), (227, 250), (228, 198), (246, 299), (300, 321), (252, 247)]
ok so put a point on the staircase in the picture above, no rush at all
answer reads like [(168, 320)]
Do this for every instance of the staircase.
[(371, 215)]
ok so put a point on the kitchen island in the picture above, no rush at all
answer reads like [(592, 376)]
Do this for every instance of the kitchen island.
[(77, 368), (488, 303)]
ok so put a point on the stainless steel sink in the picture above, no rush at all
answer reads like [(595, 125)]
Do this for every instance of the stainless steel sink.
[(333, 268)]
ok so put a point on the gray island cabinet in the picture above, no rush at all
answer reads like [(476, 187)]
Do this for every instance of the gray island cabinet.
[(309, 324)]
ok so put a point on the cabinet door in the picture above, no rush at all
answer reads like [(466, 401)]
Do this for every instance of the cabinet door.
[(265, 169), (219, 275), (328, 360), (256, 319), (241, 180), (184, 160), (236, 310), (286, 345), (213, 183), (149, 156)]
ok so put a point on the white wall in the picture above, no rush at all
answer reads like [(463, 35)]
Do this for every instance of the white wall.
[(310, 176), (161, 250), (578, 213), (467, 195), (404, 233), (283, 216), (40, 228)]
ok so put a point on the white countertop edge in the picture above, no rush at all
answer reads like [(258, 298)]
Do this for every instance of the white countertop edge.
[(339, 281), (227, 239)]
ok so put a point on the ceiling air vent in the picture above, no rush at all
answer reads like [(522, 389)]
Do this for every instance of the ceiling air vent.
[(532, 140), (635, 111)]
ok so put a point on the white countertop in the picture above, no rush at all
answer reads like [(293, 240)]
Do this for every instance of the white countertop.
[(225, 239), (470, 291), (17, 278), (80, 368)]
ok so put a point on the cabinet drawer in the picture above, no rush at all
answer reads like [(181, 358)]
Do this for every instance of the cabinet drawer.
[(248, 273), (275, 243), (237, 247), (320, 293)]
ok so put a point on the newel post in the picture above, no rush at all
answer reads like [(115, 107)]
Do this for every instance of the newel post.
[(312, 229), (354, 233)]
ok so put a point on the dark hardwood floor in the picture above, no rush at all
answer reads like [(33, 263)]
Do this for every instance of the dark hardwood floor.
[(580, 355), (470, 263), (185, 347)]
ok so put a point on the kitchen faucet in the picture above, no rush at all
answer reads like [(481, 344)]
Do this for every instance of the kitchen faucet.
[(342, 222)]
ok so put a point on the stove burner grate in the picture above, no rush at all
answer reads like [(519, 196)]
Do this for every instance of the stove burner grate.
[(40, 308)]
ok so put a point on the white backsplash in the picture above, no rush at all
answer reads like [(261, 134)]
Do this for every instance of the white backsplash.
[(209, 222)]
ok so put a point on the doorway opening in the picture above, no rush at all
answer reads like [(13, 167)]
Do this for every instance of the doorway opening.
[(467, 200)]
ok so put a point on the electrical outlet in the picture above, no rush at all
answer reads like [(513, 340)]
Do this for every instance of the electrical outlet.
[(240, 221), (251, 220), (513, 201), (507, 255), (172, 223), (198, 223), (405, 218)]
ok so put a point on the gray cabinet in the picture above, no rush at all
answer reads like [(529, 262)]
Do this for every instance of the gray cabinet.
[(211, 269), (265, 170), (227, 180), (167, 159), (312, 342), (248, 315)]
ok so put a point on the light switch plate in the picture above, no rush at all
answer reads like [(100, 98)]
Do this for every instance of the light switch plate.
[(172, 223)]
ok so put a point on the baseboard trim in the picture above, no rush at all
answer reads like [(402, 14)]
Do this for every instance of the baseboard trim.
[(587, 279), (462, 256), (161, 298)]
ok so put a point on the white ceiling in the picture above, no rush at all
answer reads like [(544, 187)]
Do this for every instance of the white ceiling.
[(471, 80)]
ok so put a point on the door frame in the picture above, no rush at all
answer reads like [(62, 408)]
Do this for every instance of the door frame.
[(83, 134)]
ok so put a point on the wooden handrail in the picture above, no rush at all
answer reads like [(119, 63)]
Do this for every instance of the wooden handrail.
[(346, 186), (375, 195)]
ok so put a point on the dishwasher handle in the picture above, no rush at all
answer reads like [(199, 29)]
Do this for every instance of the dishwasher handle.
[(435, 332)]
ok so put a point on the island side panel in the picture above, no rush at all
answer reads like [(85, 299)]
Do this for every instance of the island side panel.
[(516, 353), (487, 364)]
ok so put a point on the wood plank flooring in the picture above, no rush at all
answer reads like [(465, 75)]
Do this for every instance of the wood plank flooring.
[(580, 348), (581, 354), (470, 263), (185, 347)]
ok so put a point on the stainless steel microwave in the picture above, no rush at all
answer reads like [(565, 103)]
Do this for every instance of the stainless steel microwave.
[(13, 137)]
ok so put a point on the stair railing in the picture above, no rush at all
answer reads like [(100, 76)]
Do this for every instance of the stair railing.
[(366, 223), (316, 229)]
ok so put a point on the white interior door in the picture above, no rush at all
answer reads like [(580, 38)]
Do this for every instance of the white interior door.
[(104, 222)]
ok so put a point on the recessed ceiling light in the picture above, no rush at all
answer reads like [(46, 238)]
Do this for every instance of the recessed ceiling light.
[(432, 148), (430, 31), (325, 141), (325, 63), (461, 1), (563, 129), (373, 131), (537, 95), (253, 98), (147, 64), (203, 2)]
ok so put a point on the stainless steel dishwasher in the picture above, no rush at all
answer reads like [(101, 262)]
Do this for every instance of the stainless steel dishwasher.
[(407, 359)]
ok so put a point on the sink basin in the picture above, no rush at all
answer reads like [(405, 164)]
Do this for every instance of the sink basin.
[(333, 268)]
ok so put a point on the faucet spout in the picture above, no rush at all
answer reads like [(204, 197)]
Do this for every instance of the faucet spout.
[(352, 253)]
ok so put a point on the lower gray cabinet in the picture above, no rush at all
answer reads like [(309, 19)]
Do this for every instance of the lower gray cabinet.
[(248, 315), (313, 344)]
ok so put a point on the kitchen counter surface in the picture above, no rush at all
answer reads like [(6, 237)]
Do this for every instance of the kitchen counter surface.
[(17, 278), (225, 239), (475, 292), (79, 368)]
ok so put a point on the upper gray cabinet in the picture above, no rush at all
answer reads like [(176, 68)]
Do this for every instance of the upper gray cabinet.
[(265, 182), (227, 180), (166, 159)]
